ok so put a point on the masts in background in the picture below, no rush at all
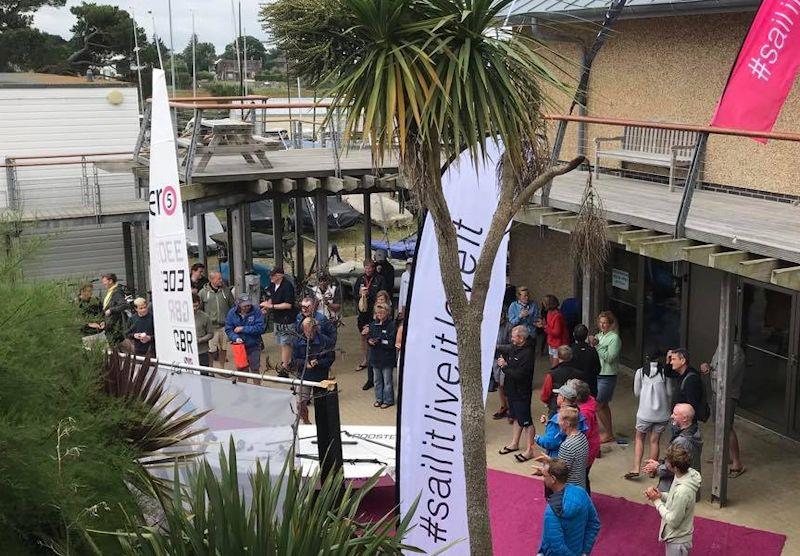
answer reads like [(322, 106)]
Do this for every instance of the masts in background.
[(138, 62), (194, 58), (171, 48), (155, 40)]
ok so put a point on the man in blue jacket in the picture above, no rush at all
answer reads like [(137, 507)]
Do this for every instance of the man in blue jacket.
[(312, 357), (571, 524), (245, 325)]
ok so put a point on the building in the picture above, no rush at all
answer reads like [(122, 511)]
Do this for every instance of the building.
[(54, 130), (228, 70), (733, 224)]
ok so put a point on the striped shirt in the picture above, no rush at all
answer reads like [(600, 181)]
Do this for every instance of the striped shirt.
[(574, 451)]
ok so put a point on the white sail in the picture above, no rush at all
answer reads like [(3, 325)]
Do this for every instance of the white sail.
[(176, 339)]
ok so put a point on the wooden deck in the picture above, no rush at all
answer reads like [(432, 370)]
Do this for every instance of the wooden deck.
[(292, 164), (767, 228)]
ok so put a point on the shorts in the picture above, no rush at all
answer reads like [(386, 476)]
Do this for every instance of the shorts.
[(219, 341), (647, 426), (677, 548), (521, 411), (284, 334), (605, 388), (732, 403), (553, 352), (304, 392), (498, 375)]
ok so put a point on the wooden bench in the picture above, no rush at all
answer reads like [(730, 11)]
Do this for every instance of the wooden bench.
[(646, 145)]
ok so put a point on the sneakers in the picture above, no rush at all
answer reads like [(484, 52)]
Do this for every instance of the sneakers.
[(368, 385), (281, 370)]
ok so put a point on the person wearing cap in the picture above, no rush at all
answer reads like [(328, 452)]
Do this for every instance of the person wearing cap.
[(281, 303), (574, 448), (328, 294), (405, 282), (245, 325), (553, 436)]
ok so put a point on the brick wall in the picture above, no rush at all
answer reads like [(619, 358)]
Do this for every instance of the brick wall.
[(540, 259)]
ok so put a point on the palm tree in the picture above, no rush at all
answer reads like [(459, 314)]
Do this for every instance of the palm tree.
[(435, 78)]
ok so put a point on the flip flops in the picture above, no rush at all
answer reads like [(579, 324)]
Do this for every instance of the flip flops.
[(632, 476), (506, 450), (733, 473), (522, 459)]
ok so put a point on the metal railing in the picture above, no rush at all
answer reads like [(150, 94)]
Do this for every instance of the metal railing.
[(718, 159)]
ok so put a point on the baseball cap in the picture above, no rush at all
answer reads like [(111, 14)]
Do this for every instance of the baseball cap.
[(567, 391), (276, 270), (244, 299)]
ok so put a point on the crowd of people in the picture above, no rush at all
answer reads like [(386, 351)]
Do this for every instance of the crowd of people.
[(577, 391)]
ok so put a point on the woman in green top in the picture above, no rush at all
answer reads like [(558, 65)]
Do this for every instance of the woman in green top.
[(608, 345)]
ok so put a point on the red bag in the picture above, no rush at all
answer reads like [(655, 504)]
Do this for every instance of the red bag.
[(547, 388), (240, 356)]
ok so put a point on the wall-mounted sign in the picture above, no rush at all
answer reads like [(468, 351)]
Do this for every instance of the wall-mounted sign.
[(620, 279)]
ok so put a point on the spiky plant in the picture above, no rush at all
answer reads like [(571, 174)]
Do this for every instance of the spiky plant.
[(288, 515), (163, 428)]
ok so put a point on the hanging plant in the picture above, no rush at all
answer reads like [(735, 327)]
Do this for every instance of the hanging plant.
[(589, 241)]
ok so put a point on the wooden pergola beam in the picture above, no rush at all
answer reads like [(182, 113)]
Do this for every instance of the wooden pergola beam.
[(311, 184), (351, 183), (334, 184), (553, 219), (786, 277), (758, 269), (286, 185), (699, 254), (727, 260), (531, 215), (668, 250), (613, 231), (632, 244)]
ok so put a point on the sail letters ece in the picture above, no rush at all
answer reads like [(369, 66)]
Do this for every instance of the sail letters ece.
[(176, 340)]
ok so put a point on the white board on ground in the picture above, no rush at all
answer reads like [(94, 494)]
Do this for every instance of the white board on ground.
[(366, 450)]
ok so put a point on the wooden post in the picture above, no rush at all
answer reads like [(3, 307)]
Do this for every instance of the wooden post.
[(127, 249), (247, 238), (299, 255), (277, 230), (725, 347), (141, 249), (237, 248), (229, 248), (590, 296), (321, 209), (367, 227), (202, 248)]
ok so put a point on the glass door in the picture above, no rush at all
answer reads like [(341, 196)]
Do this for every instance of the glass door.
[(622, 297), (662, 306), (768, 337)]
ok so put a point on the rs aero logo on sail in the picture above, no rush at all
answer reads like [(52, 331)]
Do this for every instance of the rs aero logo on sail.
[(163, 201)]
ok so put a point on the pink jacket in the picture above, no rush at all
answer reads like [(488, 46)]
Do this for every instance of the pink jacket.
[(589, 411)]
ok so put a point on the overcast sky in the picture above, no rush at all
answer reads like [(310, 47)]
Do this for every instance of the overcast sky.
[(213, 19)]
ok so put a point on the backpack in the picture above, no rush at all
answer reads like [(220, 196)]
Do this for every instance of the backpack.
[(704, 409)]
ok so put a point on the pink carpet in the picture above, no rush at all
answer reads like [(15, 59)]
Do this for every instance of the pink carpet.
[(628, 528)]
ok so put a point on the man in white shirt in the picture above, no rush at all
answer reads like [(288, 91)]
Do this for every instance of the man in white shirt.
[(405, 280)]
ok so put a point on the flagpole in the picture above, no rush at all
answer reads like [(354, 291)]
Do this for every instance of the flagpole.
[(194, 58), (171, 48), (138, 62)]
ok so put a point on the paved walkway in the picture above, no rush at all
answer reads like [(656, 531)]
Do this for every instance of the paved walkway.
[(766, 497)]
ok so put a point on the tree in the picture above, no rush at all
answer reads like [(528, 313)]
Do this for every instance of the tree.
[(103, 35), (27, 49), (436, 76), (255, 49), (205, 53), (18, 14)]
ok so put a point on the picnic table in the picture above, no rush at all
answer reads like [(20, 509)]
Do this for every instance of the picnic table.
[(225, 136)]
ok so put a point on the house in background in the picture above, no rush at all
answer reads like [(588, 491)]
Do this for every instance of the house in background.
[(83, 205), (673, 253), (228, 70)]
